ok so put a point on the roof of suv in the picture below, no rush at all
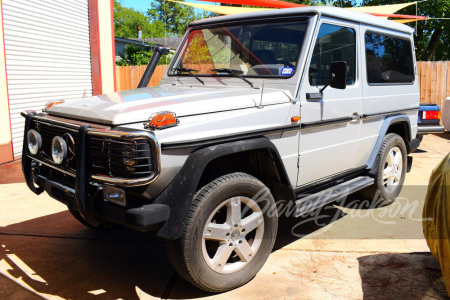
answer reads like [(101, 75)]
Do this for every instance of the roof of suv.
[(340, 13)]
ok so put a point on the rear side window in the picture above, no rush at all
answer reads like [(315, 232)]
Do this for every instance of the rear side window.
[(388, 59)]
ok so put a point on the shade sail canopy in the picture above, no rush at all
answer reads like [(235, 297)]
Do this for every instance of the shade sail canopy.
[(223, 10), (404, 21), (383, 11), (263, 3)]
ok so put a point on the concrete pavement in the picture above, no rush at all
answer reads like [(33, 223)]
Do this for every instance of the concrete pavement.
[(343, 251)]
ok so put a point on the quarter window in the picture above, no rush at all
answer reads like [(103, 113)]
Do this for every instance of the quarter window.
[(388, 59), (334, 43)]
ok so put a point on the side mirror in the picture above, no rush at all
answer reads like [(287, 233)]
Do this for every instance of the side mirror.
[(338, 75)]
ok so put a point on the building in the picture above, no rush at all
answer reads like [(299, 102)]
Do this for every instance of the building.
[(171, 42), (146, 44), (51, 50), (121, 43)]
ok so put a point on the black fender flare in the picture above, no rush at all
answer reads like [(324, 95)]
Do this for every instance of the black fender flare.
[(374, 157), (181, 190)]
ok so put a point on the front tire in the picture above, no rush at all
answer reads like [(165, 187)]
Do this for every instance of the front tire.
[(228, 235), (391, 171)]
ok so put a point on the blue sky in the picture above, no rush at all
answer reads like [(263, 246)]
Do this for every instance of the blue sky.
[(141, 5)]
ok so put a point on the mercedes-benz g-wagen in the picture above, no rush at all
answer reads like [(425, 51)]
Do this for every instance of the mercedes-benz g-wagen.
[(298, 106)]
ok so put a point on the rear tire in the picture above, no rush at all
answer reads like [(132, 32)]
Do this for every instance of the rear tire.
[(391, 171), (228, 235)]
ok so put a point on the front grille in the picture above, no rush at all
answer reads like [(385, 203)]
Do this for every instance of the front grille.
[(114, 157), (121, 158), (48, 132)]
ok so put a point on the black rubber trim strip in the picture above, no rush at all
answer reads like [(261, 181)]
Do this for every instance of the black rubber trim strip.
[(326, 122), (347, 119), (389, 113), (228, 137)]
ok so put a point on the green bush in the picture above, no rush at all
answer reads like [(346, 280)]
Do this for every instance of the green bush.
[(135, 56)]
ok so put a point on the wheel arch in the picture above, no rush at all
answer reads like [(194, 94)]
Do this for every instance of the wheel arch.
[(400, 125), (200, 167)]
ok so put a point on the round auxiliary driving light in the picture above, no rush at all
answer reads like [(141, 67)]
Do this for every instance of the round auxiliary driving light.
[(59, 149), (34, 140)]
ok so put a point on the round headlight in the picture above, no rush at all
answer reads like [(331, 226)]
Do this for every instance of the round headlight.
[(59, 149), (34, 140)]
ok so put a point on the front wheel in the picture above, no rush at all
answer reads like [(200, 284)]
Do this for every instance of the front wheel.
[(228, 235)]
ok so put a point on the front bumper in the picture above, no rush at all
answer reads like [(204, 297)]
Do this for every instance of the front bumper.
[(85, 195)]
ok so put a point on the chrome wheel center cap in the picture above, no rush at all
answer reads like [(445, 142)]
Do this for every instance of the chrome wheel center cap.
[(235, 235)]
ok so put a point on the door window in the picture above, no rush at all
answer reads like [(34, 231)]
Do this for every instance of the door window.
[(333, 43)]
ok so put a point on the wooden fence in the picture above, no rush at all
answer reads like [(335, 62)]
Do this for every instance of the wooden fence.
[(434, 79), (128, 77)]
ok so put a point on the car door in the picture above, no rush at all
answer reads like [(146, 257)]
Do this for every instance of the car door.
[(331, 125)]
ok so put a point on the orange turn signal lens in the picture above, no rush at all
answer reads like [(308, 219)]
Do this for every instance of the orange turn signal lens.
[(162, 120), (51, 103), (295, 119)]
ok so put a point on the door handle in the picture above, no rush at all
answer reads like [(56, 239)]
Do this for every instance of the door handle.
[(355, 117), (314, 96)]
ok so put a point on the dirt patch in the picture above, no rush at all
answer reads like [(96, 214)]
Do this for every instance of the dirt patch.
[(11, 172)]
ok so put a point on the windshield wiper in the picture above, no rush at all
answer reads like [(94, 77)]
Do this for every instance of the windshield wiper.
[(190, 72), (233, 72)]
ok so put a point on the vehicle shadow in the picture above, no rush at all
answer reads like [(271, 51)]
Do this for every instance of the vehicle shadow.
[(56, 255), (292, 229), (401, 276), (443, 135), (74, 262)]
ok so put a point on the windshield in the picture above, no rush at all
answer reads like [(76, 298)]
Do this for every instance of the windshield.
[(269, 49)]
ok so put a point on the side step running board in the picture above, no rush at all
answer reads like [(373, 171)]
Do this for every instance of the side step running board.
[(314, 201)]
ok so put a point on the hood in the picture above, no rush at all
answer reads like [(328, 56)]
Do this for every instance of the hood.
[(139, 104)]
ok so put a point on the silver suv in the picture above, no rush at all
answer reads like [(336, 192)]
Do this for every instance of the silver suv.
[(298, 106)]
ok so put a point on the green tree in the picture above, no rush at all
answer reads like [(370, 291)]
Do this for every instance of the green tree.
[(127, 21), (344, 3), (432, 38), (175, 16), (311, 2)]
